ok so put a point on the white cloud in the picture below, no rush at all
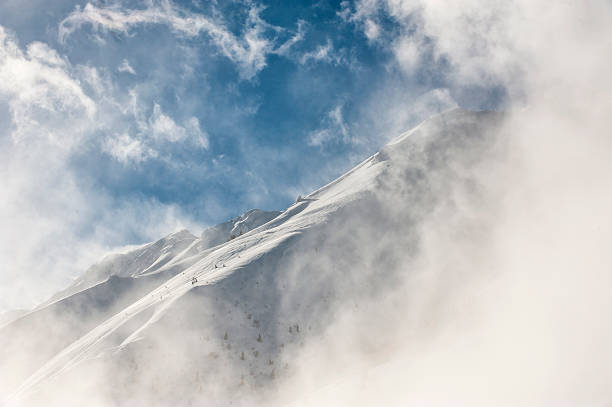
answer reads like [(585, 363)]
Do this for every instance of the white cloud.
[(99, 85), (153, 135), (337, 119), (323, 53), (126, 67), (44, 98), (345, 12), (38, 51), (520, 45), (247, 51), (320, 137), (128, 149), (197, 135), (407, 52), (477, 37), (335, 129), (163, 127), (53, 102), (285, 48), (371, 29)]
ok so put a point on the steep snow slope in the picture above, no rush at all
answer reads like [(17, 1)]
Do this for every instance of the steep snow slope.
[(104, 289), (232, 315), (33, 339), (138, 262), (149, 258)]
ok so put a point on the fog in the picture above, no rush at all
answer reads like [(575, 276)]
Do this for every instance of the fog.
[(512, 306), (475, 270)]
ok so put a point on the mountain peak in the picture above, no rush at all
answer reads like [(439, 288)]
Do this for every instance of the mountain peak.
[(237, 226)]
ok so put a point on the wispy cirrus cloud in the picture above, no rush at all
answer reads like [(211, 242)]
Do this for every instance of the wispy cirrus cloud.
[(164, 127), (333, 129), (128, 149), (248, 51), (126, 67), (322, 53), (286, 47)]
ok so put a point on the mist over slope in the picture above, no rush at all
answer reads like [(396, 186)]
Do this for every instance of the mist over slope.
[(104, 289), (445, 269), (227, 322)]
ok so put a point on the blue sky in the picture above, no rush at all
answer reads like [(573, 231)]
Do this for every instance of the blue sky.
[(125, 120)]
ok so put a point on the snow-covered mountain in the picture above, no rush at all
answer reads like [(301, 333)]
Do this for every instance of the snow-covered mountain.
[(222, 319), (142, 261), (149, 258)]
